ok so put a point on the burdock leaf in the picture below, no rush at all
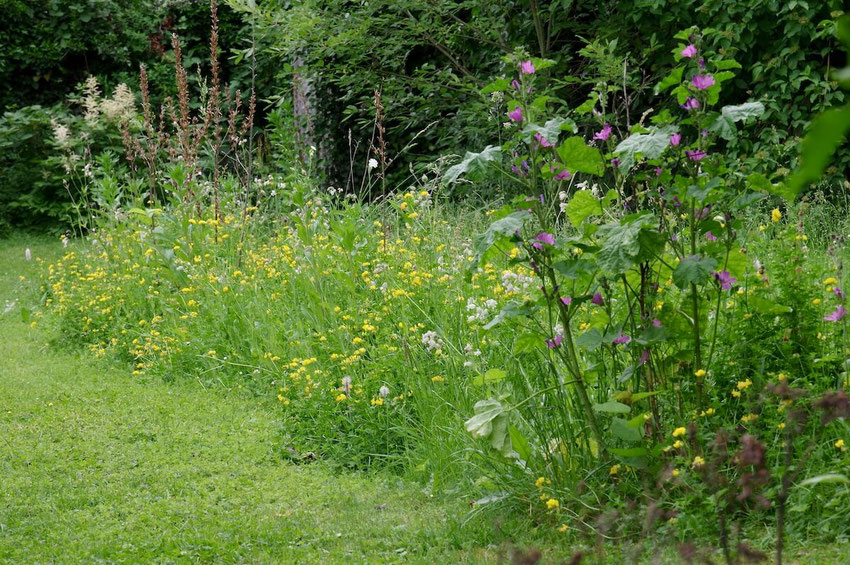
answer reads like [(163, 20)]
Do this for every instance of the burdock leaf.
[(490, 422)]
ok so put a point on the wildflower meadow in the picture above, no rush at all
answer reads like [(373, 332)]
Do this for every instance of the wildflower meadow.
[(602, 319)]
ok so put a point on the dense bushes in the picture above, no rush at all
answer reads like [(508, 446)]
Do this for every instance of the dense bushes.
[(430, 59)]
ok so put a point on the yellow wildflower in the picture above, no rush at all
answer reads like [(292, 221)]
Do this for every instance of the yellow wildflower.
[(744, 384), (699, 373), (679, 432), (552, 503), (776, 215), (698, 462), (437, 379)]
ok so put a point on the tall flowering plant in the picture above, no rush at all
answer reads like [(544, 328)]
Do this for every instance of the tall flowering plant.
[(633, 235)]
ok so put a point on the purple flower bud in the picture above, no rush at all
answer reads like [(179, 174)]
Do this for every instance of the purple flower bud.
[(691, 104), (597, 299)]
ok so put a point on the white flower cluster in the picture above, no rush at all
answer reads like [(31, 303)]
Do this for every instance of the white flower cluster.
[(432, 341), (121, 106), (480, 312), (515, 282)]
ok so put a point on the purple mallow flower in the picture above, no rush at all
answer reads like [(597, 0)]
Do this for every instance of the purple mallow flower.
[(837, 315), (603, 134), (516, 114), (837, 291), (542, 238), (725, 279), (597, 299), (697, 155), (710, 236), (701, 82), (542, 140), (689, 51), (526, 68), (563, 175), (675, 139), (567, 300)]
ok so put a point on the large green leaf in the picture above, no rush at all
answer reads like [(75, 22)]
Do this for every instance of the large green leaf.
[(650, 145), (694, 270), (490, 422), (578, 157), (724, 125), (582, 205), (627, 242), (472, 162)]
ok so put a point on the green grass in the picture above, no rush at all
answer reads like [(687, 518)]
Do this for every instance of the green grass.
[(101, 466)]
